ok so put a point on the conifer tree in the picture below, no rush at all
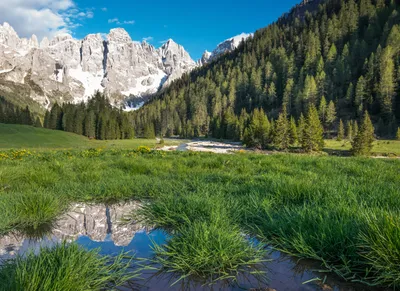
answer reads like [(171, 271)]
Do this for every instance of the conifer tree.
[(323, 107), (281, 136), (349, 130), (355, 128), (292, 132), (387, 83), (301, 127), (340, 135), (90, 124), (38, 123), (362, 143), (361, 95), (46, 120), (149, 132), (330, 114), (398, 134), (257, 133), (55, 119), (313, 139)]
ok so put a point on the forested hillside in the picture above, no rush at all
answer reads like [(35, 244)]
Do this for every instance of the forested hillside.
[(343, 58), (94, 119), (13, 114)]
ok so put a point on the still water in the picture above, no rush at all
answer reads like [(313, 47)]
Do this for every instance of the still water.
[(99, 226)]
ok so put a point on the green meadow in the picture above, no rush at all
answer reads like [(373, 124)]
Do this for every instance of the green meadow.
[(341, 211), (14, 136)]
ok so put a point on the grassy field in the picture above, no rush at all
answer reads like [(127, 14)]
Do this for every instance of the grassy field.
[(343, 212), (27, 137), (380, 147)]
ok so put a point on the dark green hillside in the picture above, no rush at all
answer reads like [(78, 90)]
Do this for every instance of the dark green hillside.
[(343, 57)]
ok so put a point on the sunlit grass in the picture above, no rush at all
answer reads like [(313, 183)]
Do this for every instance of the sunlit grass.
[(15, 136), (311, 207), (380, 147), (65, 267), (30, 212), (213, 250)]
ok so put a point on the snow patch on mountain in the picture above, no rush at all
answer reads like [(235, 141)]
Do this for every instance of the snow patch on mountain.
[(90, 82), (147, 85), (224, 47)]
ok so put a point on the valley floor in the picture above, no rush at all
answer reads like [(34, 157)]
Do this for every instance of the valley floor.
[(343, 213)]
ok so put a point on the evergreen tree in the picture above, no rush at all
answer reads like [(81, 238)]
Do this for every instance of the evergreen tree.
[(281, 136), (355, 128), (330, 114), (149, 132), (349, 130), (55, 118), (293, 138), (312, 139), (398, 134), (361, 95), (340, 135), (257, 134), (387, 83), (362, 143), (301, 127), (323, 107), (46, 120), (90, 124), (38, 123)]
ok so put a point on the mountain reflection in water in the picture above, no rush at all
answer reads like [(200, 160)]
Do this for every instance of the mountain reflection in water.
[(99, 226)]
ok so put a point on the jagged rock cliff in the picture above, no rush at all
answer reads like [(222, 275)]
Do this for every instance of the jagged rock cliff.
[(66, 69)]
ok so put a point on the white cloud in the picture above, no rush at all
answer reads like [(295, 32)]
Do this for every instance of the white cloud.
[(113, 20), (42, 17), (104, 9), (89, 14), (116, 21), (147, 39)]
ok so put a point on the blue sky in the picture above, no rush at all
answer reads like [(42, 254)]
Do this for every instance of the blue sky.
[(197, 25)]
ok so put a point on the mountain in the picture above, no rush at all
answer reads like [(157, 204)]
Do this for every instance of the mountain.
[(66, 69), (224, 47), (340, 56)]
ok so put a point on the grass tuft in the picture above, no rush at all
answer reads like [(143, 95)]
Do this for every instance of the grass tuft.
[(209, 250), (65, 267), (31, 212)]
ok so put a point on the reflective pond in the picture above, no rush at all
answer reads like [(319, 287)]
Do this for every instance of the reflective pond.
[(99, 226)]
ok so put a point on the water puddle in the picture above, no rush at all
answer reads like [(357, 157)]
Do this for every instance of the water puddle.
[(99, 226)]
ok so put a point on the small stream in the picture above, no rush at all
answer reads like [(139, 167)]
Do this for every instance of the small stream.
[(98, 226)]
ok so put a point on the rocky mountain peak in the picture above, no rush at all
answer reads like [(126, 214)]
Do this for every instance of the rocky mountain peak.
[(226, 46), (60, 38), (33, 41), (205, 58), (8, 36), (65, 69), (119, 35), (44, 43)]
